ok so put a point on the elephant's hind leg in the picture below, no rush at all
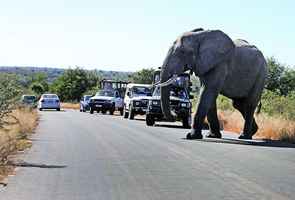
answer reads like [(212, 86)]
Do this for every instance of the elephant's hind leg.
[(213, 122), (247, 110)]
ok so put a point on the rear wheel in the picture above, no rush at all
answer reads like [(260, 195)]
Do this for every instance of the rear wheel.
[(121, 111), (186, 122), (58, 109), (91, 111), (112, 112), (103, 111), (131, 113), (150, 121), (125, 113), (40, 109)]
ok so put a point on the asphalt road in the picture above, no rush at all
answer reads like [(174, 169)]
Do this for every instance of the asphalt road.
[(78, 156)]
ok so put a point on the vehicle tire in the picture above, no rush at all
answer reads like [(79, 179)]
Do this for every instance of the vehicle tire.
[(185, 122), (125, 113), (131, 113), (150, 121), (112, 112), (91, 111), (121, 111), (103, 111), (58, 109), (40, 109)]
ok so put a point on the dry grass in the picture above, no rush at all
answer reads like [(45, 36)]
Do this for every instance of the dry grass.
[(14, 136), (75, 106), (273, 128)]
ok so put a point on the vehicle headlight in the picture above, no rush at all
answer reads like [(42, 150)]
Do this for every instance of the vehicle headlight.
[(156, 103), (184, 105)]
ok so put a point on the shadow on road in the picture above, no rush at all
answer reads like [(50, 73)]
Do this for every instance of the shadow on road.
[(262, 143), (52, 110), (170, 126), (37, 165)]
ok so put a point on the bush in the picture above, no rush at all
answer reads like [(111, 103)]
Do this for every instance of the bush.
[(9, 94), (274, 104)]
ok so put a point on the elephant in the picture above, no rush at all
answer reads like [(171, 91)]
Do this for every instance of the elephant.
[(235, 69)]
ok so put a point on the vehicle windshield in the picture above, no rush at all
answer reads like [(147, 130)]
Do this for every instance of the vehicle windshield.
[(50, 96), (175, 92), (107, 93), (141, 91), (178, 93), (29, 98), (87, 98)]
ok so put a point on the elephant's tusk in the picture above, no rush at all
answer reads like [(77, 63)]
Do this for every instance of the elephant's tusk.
[(168, 82)]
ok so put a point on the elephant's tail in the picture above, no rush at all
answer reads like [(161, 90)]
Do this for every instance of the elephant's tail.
[(258, 110)]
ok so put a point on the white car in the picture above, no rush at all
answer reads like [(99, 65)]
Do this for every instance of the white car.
[(106, 100), (49, 101), (136, 99)]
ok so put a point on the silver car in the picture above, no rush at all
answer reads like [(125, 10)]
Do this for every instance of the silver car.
[(49, 101)]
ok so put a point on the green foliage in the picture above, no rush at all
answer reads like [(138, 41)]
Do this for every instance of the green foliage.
[(10, 90), (144, 76), (275, 104), (73, 83), (224, 103), (280, 78), (37, 88)]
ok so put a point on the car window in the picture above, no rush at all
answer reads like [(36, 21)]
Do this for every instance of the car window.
[(107, 93), (181, 93), (156, 91), (87, 98), (50, 96), (178, 93), (29, 98), (141, 91)]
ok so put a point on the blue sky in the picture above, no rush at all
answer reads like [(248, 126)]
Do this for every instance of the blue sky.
[(128, 35)]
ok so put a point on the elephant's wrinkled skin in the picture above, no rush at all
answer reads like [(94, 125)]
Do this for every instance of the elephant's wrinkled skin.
[(234, 69)]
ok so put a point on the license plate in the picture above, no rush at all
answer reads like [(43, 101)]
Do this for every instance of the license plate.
[(99, 106)]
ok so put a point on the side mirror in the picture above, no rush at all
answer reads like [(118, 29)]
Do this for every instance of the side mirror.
[(191, 96)]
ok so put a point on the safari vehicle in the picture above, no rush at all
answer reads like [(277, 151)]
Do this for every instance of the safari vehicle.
[(110, 98), (179, 101), (136, 99), (84, 103), (28, 100)]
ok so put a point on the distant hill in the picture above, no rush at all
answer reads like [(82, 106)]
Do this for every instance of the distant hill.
[(53, 73)]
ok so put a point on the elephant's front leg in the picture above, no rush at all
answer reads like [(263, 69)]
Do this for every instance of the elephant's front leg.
[(207, 99), (213, 83)]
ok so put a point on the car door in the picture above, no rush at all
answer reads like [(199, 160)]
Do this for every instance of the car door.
[(127, 98), (118, 100)]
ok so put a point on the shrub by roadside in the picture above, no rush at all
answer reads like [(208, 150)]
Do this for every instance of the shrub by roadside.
[(75, 106), (14, 135)]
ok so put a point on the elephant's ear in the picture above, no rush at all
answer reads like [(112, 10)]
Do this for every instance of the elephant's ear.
[(213, 48)]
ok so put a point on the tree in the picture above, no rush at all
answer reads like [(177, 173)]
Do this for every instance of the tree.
[(37, 88), (144, 76), (73, 83), (281, 79), (38, 83)]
